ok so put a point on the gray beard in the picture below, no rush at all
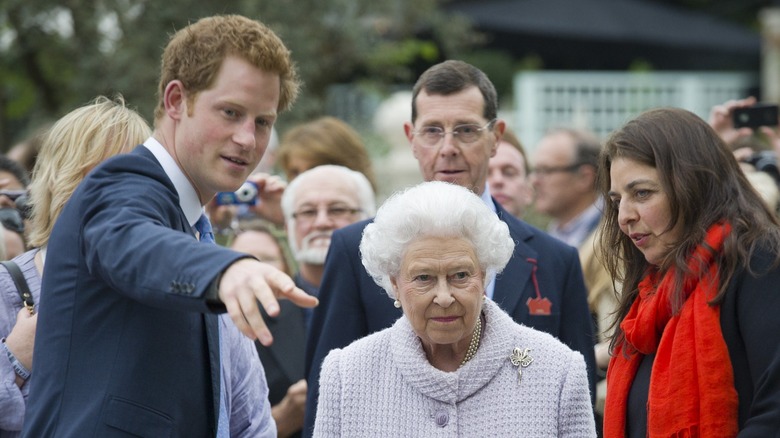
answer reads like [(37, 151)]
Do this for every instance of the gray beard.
[(312, 256)]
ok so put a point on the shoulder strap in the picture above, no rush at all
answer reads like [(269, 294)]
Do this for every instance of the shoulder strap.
[(21, 284)]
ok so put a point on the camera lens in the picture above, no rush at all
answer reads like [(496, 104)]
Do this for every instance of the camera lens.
[(247, 192)]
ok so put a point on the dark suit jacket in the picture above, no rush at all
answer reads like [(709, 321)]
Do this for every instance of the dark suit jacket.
[(352, 305), (122, 345), (751, 327)]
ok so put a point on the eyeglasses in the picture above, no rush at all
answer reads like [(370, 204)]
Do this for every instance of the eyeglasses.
[(465, 134), (333, 213), (545, 171)]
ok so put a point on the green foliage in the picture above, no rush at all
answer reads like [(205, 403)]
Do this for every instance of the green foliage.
[(499, 66), (61, 54), (391, 60)]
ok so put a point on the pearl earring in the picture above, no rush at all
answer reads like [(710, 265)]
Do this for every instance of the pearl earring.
[(397, 304)]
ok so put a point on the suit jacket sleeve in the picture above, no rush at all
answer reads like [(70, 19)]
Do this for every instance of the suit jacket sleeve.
[(132, 227)]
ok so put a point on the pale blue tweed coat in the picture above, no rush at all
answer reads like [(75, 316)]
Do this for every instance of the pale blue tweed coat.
[(383, 386)]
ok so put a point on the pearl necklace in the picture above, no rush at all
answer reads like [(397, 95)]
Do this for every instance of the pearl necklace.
[(474, 344)]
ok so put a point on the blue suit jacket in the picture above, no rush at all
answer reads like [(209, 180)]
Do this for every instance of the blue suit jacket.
[(124, 343), (352, 305)]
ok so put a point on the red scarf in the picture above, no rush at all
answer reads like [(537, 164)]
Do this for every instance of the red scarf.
[(692, 390)]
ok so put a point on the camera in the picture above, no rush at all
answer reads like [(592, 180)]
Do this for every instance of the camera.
[(246, 194), (766, 161), (21, 200), (11, 219), (760, 114)]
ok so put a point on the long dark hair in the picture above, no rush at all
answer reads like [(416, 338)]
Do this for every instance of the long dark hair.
[(704, 185)]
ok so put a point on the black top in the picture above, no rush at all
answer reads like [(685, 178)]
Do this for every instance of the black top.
[(636, 422)]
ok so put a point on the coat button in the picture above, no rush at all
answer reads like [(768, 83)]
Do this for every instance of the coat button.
[(442, 417)]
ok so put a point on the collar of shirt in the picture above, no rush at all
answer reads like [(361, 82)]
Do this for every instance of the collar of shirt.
[(575, 232), (188, 197), (487, 199)]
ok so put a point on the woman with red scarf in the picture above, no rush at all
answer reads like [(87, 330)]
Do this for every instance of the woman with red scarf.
[(696, 350)]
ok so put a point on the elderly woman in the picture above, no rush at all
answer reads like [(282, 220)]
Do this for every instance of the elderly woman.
[(454, 364), (696, 351)]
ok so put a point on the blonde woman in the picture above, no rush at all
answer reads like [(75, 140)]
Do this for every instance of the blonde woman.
[(74, 146)]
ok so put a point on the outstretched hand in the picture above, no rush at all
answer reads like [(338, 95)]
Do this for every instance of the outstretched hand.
[(248, 281)]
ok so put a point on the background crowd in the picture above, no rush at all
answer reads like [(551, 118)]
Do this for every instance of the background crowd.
[(594, 234)]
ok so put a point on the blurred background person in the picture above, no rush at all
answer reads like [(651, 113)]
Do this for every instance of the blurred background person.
[(316, 203), (26, 152), (13, 225), (696, 351), (14, 180), (253, 238), (3, 254), (508, 172), (756, 150), (326, 140), (564, 181), (75, 144), (282, 360), (454, 363)]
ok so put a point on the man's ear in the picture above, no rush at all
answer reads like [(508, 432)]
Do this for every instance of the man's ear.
[(409, 131), (498, 132), (175, 100), (588, 177)]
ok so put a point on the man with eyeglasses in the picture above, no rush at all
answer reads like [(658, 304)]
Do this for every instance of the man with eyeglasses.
[(453, 132), (315, 204), (564, 181)]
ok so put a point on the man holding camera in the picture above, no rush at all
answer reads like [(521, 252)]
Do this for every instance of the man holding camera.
[(13, 187), (749, 128)]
